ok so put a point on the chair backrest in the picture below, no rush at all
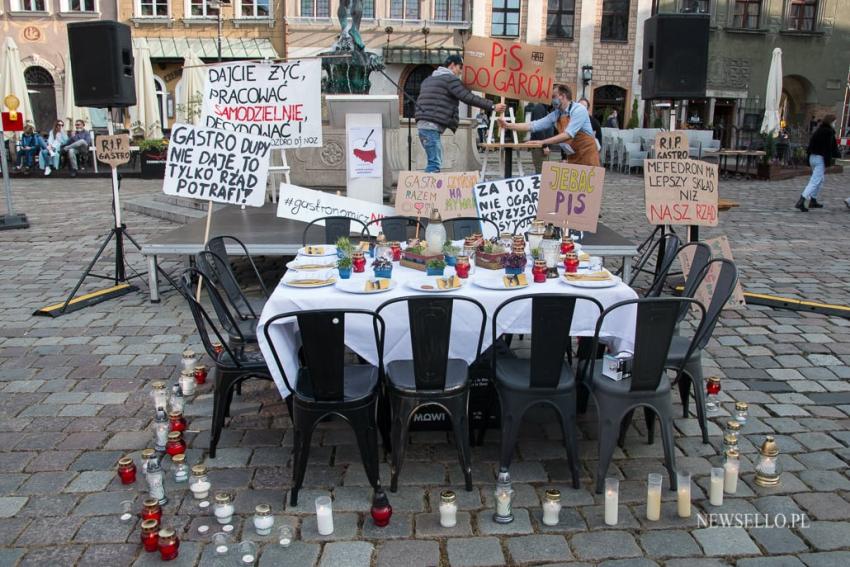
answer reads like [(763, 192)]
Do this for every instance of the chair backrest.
[(396, 228), (322, 333), (632, 147), (430, 321), (459, 228), (335, 227), (218, 244), (551, 319), (664, 249), (655, 325), (218, 269), (722, 275), (700, 253)]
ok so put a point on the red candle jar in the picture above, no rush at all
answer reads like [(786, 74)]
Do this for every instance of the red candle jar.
[(571, 263), (176, 421), (539, 271), (396, 248), (175, 444), (381, 509), (169, 544), (126, 470), (358, 260), (150, 535), (462, 267), (217, 348), (200, 374), (151, 510), (712, 387), (567, 245)]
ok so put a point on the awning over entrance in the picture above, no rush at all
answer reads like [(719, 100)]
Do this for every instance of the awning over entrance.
[(207, 48), (419, 55)]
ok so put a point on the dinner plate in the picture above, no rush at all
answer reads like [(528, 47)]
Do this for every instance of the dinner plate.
[(328, 250), (429, 285), (611, 282), (359, 286), (318, 264), (498, 283), (309, 283)]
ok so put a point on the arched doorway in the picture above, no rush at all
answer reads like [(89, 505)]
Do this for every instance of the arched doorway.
[(797, 94), (161, 99), (606, 99), (411, 85), (42, 93)]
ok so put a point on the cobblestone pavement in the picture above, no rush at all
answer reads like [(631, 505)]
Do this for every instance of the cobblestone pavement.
[(73, 393)]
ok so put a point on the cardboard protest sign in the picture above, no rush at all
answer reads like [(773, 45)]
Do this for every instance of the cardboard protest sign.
[(306, 205), (571, 194), (680, 192), (719, 249), (510, 203), (282, 101), (215, 165), (509, 68), (672, 145), (450, 193), (113, 150), (365, 152)]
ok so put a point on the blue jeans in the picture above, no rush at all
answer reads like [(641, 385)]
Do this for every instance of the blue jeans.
[(430, 140), (812, 190)]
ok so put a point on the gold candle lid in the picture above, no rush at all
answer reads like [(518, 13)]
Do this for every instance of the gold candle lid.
[(222, 497), (730, 440), (263, 509), (188, 353), (148, 453), (741, 406), (448, 496), (158, 385), (125, 462), (199, 470), (174, 435), (200, 367), (553, 495), (732, 453), (174, 414), (149, 525), (769, 448), (166, 533), (178, 459), (150, 503), (714, 378), (733, 425)]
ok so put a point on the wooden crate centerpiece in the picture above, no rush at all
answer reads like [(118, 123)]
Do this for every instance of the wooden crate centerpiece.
[(416, 256)]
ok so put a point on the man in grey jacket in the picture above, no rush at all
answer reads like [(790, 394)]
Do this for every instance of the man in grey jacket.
[(437, 108)]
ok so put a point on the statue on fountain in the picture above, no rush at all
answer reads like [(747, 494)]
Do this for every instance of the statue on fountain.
[(348, 65)]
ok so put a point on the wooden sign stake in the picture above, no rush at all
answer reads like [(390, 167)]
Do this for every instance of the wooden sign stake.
[(206, 239)]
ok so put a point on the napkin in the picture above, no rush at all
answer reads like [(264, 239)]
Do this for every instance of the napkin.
[(310, 278), (376, 284), (515, 281), (602, 276)]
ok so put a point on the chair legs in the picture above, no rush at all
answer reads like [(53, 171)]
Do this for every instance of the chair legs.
[(226, 382), (693, 372)]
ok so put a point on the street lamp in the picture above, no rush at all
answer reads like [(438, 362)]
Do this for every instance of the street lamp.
[(218, 4), (586, 77)]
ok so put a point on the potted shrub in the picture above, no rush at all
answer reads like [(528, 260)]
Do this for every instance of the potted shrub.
[(450, 252), (343, 264), (416, 257), (766, 168), (383, 268), (489, 255), (435, 267), (154, 154), (343, 246)]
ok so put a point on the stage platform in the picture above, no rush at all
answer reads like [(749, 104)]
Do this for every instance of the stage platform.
[(264, 234)]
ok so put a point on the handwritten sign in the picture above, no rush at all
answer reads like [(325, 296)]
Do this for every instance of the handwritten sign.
[(306, 205), (510, 203), (450, 193), (680, 192), (571, 194), (509, 68), (365, 152), (282, 101), (215, 165), (113, 150), (720, 248), (672, 145)]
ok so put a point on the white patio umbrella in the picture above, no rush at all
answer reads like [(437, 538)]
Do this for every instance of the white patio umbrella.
[(12, 80), (770, 124), (144, 117), (191, 90), (72, 111)]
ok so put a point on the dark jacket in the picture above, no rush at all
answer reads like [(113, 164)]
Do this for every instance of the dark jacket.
[(439, 96), (822, 143), (597, 128)]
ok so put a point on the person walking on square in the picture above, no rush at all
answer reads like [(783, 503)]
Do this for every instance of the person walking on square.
[(78, 143), (822, 149), (49, 158), (437, 108)]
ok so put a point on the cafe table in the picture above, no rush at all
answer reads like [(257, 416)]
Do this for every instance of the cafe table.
[(618, 330)]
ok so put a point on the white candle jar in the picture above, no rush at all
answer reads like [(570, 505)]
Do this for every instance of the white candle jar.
[(683, 480), (552, 507), (187, 382), (715, 492), (263, 519), (199, 483), (612, 500), (731, 468), (223, 508), (448, 509), (324, 515), (653, 497), (189, 360)]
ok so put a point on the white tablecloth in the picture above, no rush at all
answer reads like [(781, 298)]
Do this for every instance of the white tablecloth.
[(618, 330)]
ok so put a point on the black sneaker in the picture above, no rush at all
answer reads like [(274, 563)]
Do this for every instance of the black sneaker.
[(801, 204), (813, 204), (73, 173)]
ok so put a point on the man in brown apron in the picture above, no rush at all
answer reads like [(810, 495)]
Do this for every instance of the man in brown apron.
[(572, 122)]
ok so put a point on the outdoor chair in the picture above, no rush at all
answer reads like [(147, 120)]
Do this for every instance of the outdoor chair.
[(325, 386), (431, 377), (397, 228), (647, 387), (231, 284), (237, 316), (663, 250), (634, 156), (545, 377), (335, 228), (459, 228), (235, 363)]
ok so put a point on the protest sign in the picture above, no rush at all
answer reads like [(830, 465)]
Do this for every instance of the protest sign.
[(113, 150), (571, 194), (215, 165), (719, 249), (306, 205), (680, 192), (365, 152), (510, 203), (282, 101), (509, 68), (450, 193), (672, 145)]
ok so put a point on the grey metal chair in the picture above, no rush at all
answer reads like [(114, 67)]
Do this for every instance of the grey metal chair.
[(701, 256), (223, 271), (237, 315), (664, 250), (431, 377), (545, 377), (397, 228), (647, 387), (459, 228), (335, 227)]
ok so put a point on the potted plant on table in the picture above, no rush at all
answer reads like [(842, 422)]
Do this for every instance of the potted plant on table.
[(154, 154), (450, 252), (343, 264), (514, 263), (435, 267), (489, 255), (383, 268), (343, 246)]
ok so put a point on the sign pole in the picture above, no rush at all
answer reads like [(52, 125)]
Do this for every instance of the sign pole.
[(206, 238), (11, 219)]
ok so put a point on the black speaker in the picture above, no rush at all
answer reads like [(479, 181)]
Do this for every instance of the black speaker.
[(101, 56), (675, 56)]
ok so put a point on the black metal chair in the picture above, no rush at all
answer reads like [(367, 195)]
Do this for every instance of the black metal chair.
[(647, 387), (396, 228), (664, 250), (686, 352), (326, 386), (544, 378), (335, 227), (459, 228), (232, 286), (701, 256), (431, 378), (238, 308), (235, 363)]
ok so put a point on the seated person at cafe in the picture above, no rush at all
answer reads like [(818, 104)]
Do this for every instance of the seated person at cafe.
[(28, 147), (78, 144), (48, 159)]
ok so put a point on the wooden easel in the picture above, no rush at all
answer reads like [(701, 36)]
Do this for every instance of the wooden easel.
[(277, 169), (515, 140)]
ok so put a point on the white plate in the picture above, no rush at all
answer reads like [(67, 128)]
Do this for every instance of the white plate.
[(329, 250), (294, 283), (297, 264), (498, 284), (614, 280), (359, 286), (431, 281)]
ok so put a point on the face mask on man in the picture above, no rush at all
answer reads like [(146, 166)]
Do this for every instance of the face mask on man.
[(556, 102)]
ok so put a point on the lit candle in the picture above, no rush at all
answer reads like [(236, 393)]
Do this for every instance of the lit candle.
[(612, 497), (715, 494), (324, 515), (653, 497), (448, 509), (223, 508), (730, 472), (684, 490), (552, 507), (263, 519)]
